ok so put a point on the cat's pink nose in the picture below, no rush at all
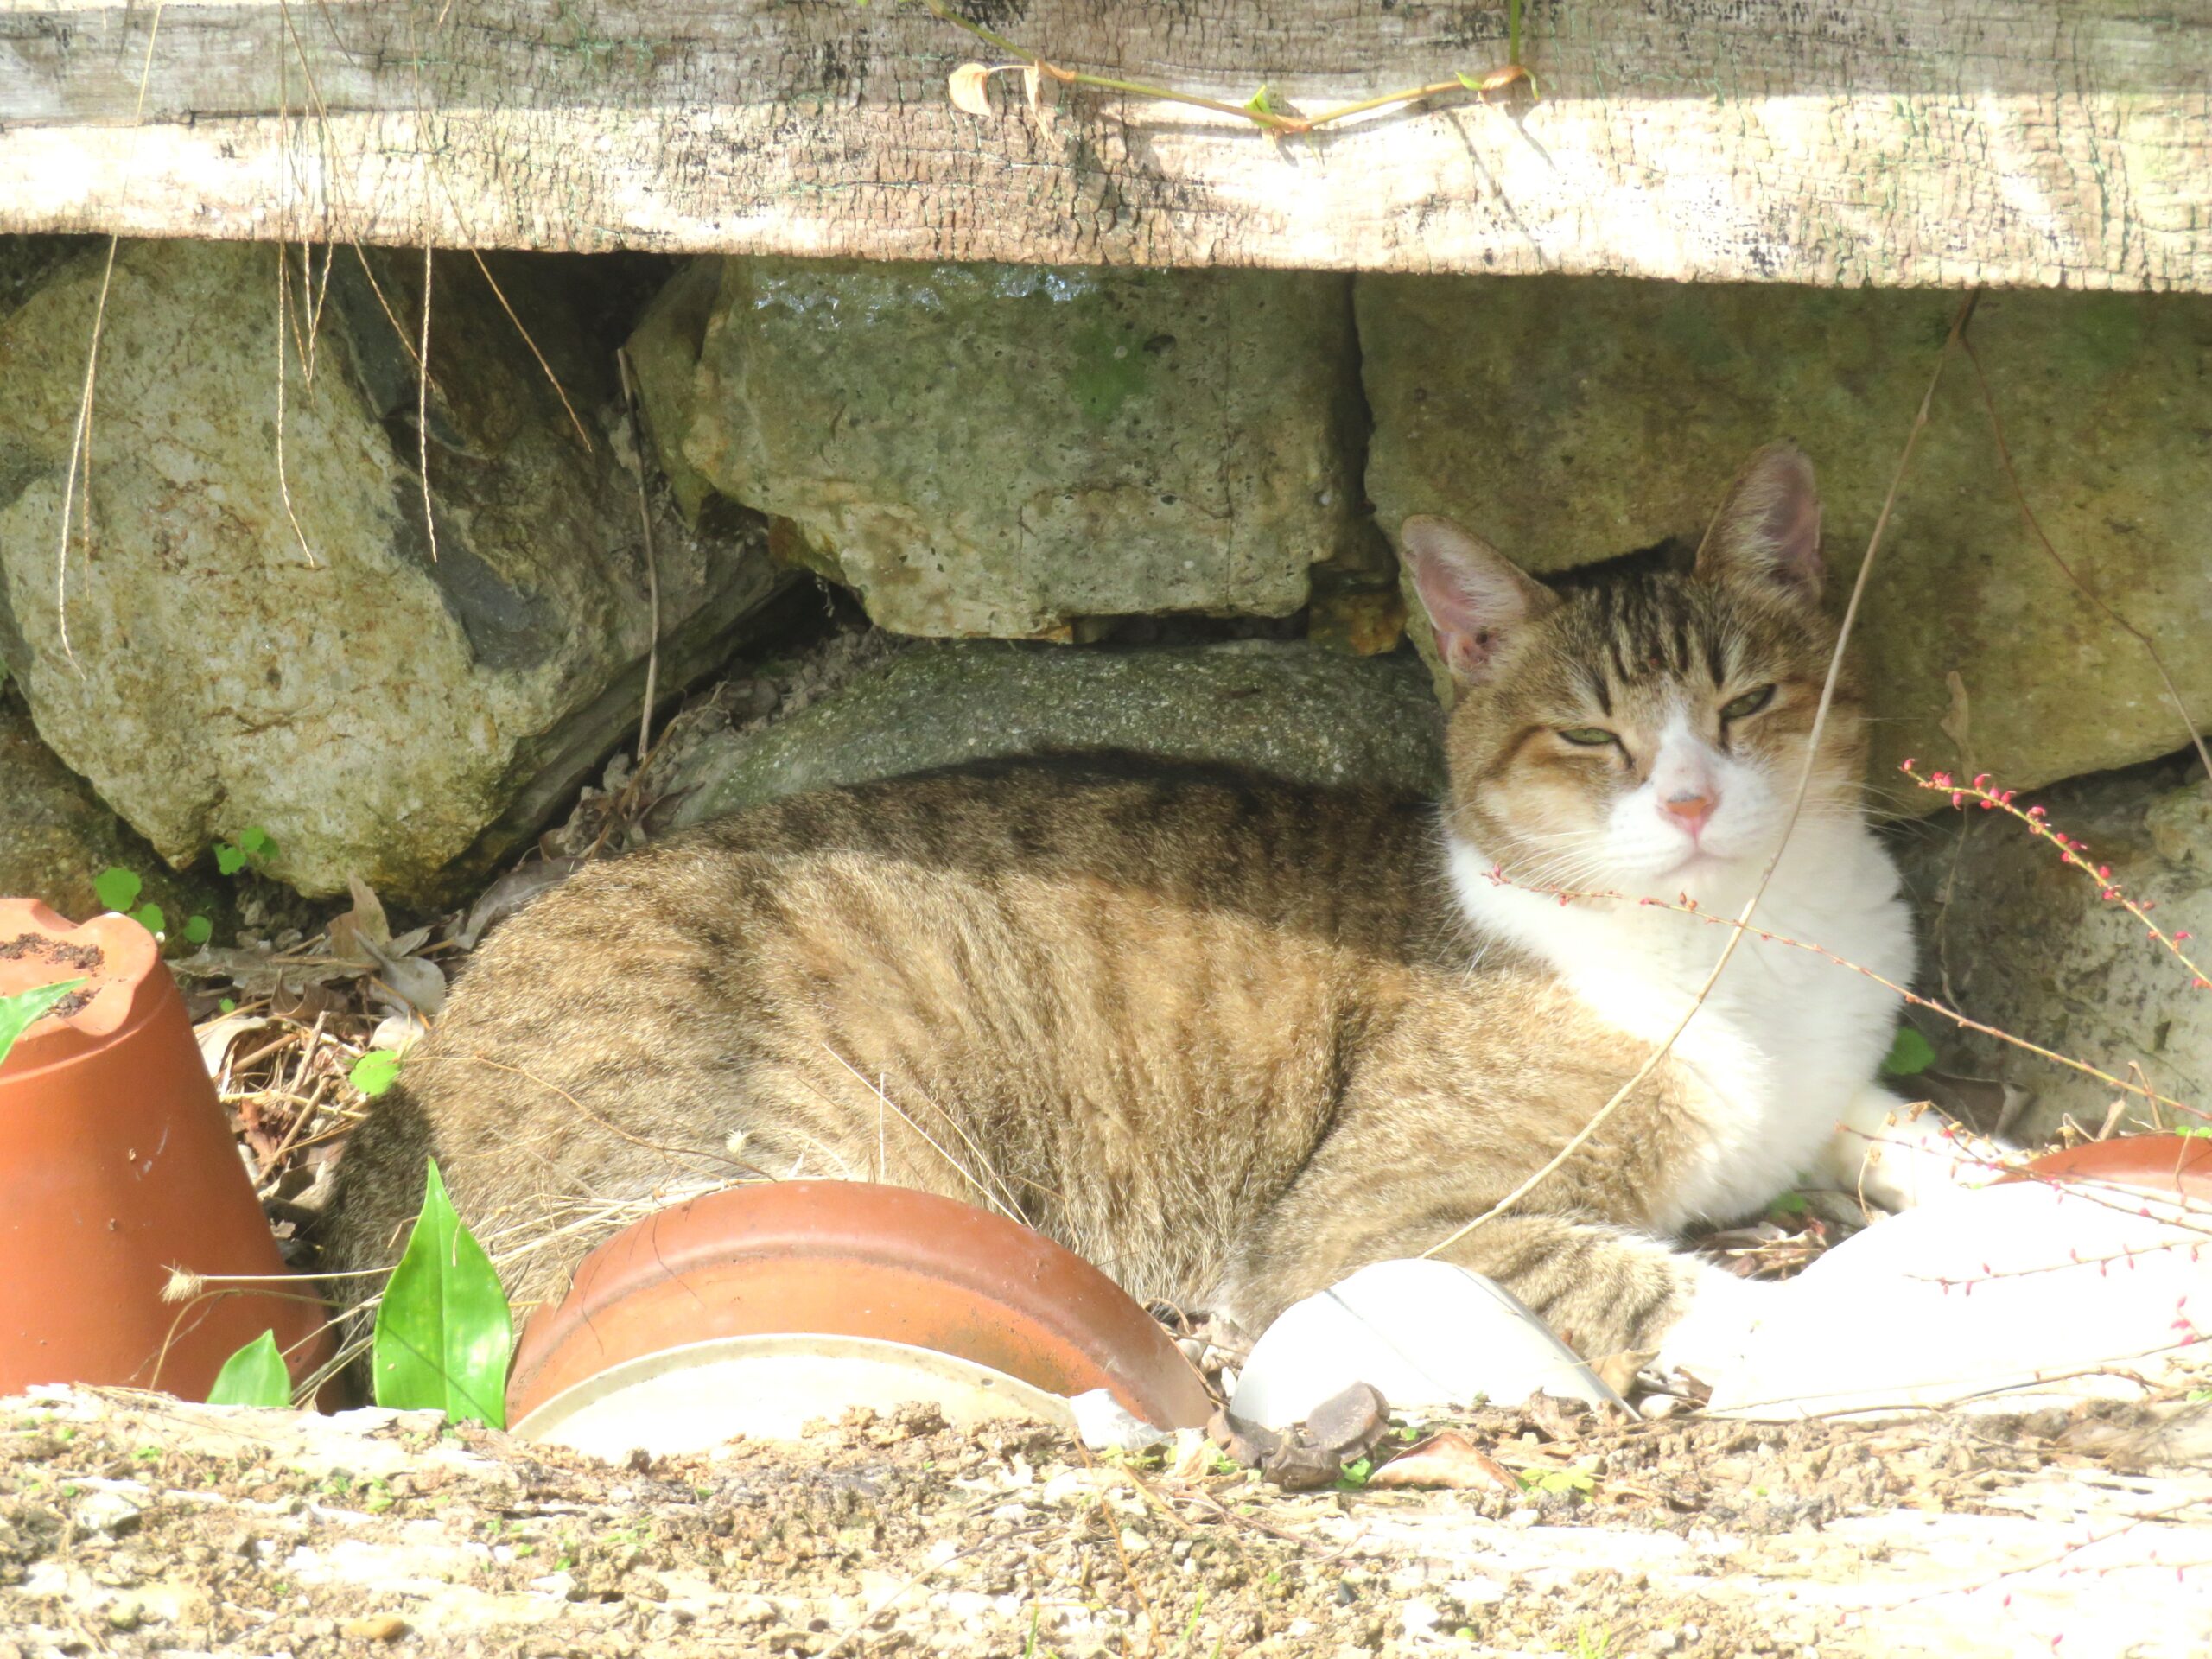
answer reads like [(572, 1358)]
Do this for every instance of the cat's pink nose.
[(1692, 812)]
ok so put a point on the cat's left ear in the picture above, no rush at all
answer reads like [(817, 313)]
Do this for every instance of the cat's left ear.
[(1768, 530)]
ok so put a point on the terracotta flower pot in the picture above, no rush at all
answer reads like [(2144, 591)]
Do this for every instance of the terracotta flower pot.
[(116, 1165), (848, 1259)]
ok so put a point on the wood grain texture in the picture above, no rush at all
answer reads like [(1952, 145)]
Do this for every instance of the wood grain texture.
[(2049, 143)]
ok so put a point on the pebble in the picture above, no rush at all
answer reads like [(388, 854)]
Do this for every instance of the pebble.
[(110, 1512), (124, 1612), (377, 1627)]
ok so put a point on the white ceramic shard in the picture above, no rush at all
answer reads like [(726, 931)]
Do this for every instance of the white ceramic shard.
[(2008, 1297), (1427, 1333), (704, 1394)]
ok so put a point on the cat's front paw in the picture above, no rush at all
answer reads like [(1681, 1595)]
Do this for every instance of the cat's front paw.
[(1719, 1313), (1899, 1155)]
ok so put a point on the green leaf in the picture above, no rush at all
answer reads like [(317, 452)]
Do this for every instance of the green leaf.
[(374, 1072), (1910, 1055), (150, 918), (1579, 1480), (117, 888), (256, 842), (255, 1375), (228, 859), (198, 930), (443, 1333), (1263, 102), (18, 1012), (226, 1005), (1472, 83), (1790, 1204), (1356, 1473)]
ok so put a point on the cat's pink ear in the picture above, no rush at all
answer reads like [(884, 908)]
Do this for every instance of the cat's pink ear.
[(1769, 529), (1473, 594)]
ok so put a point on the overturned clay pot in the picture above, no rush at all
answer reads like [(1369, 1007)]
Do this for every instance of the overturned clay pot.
[(116, 1167)]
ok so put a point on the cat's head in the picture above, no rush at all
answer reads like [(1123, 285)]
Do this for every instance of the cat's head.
[(1644, 732)]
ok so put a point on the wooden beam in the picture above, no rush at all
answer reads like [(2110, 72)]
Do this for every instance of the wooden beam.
[(2051, 143)]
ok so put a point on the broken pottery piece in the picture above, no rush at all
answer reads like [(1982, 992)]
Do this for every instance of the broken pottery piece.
[(1426, 1333), (2007, 1298)]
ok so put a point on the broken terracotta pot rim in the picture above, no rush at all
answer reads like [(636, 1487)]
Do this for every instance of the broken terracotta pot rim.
[(857, 1259), (116, 957)]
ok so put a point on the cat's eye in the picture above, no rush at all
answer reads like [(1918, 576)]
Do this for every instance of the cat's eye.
[(1749, 704), (1588, 736)]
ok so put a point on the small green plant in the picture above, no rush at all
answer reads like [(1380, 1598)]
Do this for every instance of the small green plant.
[(1909, 1054), (255, 1375), (253, 848), (443, 1333), (23, 1009), (1789, 1205), (118, 889), (374, 1072)]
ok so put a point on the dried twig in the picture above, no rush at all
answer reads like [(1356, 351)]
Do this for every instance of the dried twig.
[(627, 375), (2070, 851), (1261, 109)]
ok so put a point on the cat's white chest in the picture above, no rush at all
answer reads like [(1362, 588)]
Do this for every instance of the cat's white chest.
[(1786, 1035)]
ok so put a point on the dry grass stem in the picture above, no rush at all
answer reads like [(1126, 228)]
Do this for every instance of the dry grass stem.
[(885, 1100)]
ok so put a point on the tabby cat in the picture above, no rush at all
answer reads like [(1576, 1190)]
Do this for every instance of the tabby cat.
[(1232, 1038)]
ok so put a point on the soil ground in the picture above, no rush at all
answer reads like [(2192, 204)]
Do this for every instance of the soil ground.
[(137, 1524)]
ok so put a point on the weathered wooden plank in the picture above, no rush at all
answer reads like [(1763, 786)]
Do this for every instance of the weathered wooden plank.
[(1897, 142)]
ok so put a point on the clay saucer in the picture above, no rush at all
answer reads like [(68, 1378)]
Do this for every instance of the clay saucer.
[(853, 1260)]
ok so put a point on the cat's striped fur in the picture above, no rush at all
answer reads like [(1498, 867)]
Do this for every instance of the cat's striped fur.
[(1229, 1038)]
